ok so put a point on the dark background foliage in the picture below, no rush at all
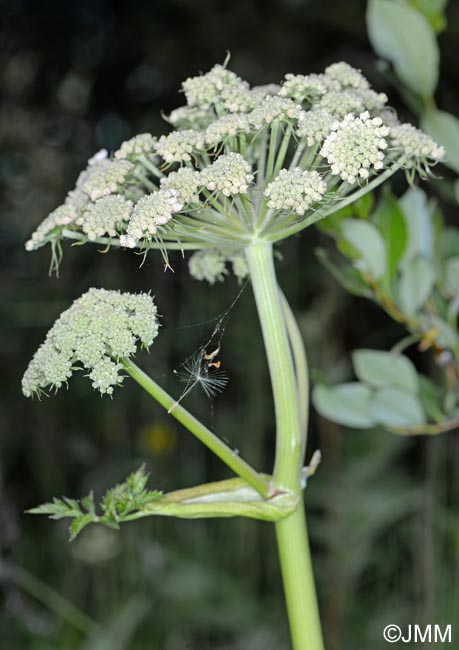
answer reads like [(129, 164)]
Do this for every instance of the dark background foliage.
[(78, 76)]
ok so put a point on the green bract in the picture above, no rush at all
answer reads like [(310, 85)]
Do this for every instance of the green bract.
[(95, 333), (242, 165)]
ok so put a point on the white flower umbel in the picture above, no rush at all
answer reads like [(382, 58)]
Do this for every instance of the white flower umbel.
[(238, 98), (356, 147), (295, 190), (107, 216), (275, 108), (418, 146), (208, 265), (229, 174), (104, 177), (64, 215), (186, 182), (232, 141), (144, 143), (150, 212), (190, 117), (300, 87), (226, 127), (218, 86), (341, 103), (315, 125), (179, 146), (372, 101), (266, 90), (346, 75), (240, 266), (99, 328)]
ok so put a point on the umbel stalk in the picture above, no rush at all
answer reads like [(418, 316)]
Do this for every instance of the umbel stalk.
[(291, 427)]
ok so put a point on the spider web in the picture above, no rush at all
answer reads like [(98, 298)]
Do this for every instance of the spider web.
[(202, 370)]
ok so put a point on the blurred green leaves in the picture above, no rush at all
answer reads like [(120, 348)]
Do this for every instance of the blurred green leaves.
[(434, 11), (348, 404), (401, 257), (416, 283), (402, 35), (368, 245), (388, 394), (444, 128), (380, 369)]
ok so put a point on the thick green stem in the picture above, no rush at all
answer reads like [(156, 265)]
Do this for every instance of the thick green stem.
[(298, 578), (205, 435), (288, 430), (293, 547)]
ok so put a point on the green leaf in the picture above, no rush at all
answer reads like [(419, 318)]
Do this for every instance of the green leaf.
[(379, 368), (79, 523), (419, 218), (444, 129), (390, 221), (117, 504), (58, 509), (433, 10), (447, 336), (452, 274), (368, 243), (348, 277), (396, 408), (332, 224), (347, 404), (416, 283), (431, 395), (450, 243), (364, 205), (402, 35)]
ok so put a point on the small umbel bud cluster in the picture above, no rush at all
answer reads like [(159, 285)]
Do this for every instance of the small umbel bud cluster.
[(302, 87), (210, 265), (99, 330), (107, 216), (295, 190), (230, 174), (346, 75), (227, 126), (356, 146), (104, 177), (179, 146), (217, 87), (64, 215), (417, 146), (275, 108), (186, 182), (315, 125), (150, 212), (141, 144)]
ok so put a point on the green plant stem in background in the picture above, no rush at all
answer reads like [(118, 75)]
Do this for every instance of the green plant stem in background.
[(205, 435), (50, 598), (301, 367), (291, 533)]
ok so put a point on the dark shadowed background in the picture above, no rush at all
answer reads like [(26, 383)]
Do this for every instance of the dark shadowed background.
[(77, 76)]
